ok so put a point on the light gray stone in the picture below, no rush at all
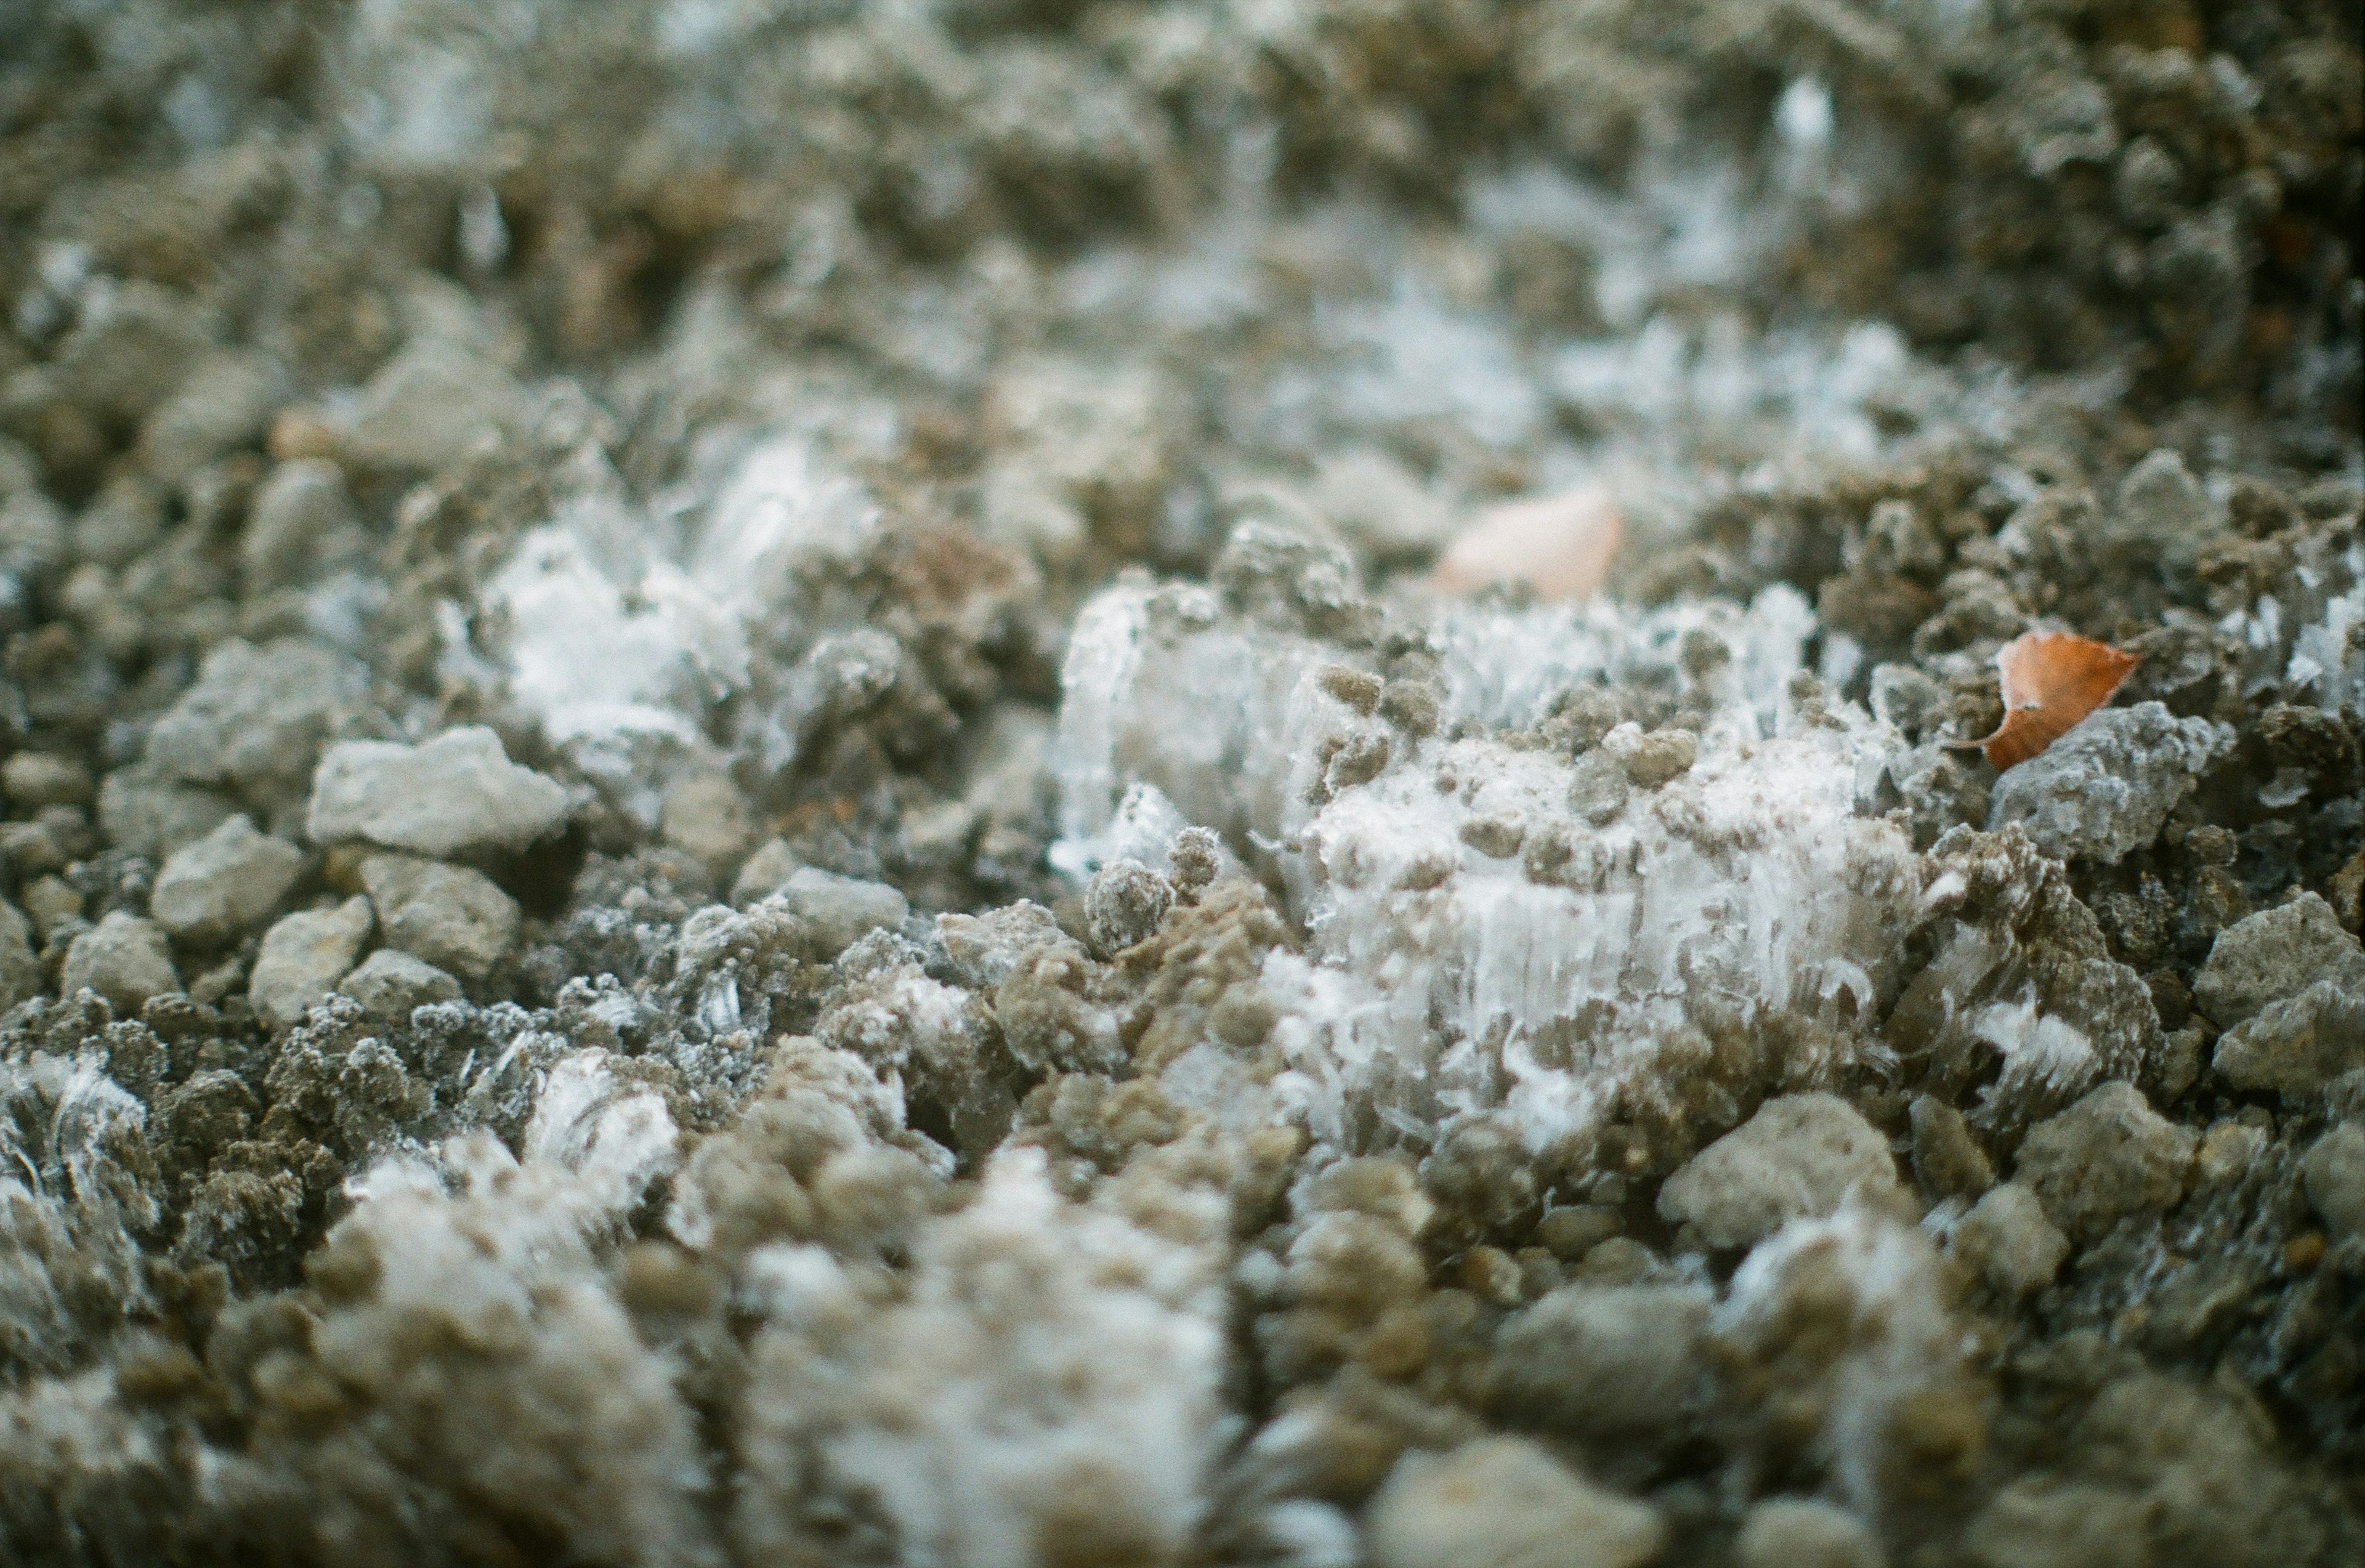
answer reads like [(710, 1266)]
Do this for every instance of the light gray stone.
[(257, 717), (391, 983), (2274, 953), (32, 779), (1804, 1532), (1503, 1503), (1798, 1158), (303, 957), (1606, 1360), (839, 910), (707, 818), (449, 915), (429, 405), (2334, 1174), (225, 402), (2296, 1045), (457, 796), (2008, 1240), (2040, 1522), (302, 520), (142, 810), (766, 871), (2108, 1156), (125, 959), (220, 885), (2104, 790), (20, 967)]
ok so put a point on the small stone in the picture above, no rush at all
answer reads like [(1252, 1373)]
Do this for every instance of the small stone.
[(1381, 507), (1497, 834), (2228, 1151), (1946, 1158), (20, 965), (256, 718), (2296, 1045), (1653, 759), (457, 796), (231, 878), (1605, 1360), (707, 818), (125, 959), (2163, 517), (2333, 1172), (225, 403), (51, 901), (142, 810), (2108, 1156), (449, 915), (36, 779), (766, 872), (2040, 1522), (1123, 904), (429, 405), (1503, 1503), (302, 958), (1570, 1233), (302, 520), (2104, 790), (2274, 953), (1798, 1158), (840, 910), (2007, 1238), (391, 984), (1804, 1532), (1598, 788)]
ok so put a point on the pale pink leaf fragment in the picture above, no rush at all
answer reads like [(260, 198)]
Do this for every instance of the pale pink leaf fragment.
[(1561, 545)]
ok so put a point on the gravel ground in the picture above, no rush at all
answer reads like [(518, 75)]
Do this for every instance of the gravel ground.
[(746, 822)]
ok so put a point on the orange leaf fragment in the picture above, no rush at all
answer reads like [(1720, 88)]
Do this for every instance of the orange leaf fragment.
[(1560, 544), (2051, 680)]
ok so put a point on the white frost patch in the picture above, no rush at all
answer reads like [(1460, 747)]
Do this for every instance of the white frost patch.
[(1901, 1339), (1049, 1364), (611, 627)]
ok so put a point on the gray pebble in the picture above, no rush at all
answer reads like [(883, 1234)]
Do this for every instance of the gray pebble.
[(125, 959), (2009, 1241), (1804, 1532), (2274, 953), (449, 915), (1503, 1503), (839, 910), (1798, 1158), (231, 878), (256, 718), (390, 984), (2108, 1156), (456, 796), (2104, 790), (303, 957), (2334, 1174)]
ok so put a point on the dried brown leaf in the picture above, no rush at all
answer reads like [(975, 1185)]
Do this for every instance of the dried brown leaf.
[(2051, 680)]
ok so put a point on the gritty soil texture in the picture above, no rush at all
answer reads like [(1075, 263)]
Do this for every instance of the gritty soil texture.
[(740, 826)]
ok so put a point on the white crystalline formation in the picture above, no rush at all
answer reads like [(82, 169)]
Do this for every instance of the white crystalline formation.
[(1496, 927)]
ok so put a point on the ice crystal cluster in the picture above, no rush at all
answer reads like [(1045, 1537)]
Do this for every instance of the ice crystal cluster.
[(755, 807)]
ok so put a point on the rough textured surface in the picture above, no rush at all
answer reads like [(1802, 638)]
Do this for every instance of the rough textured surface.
[(223, 883), (2105, 788), (303, 956), (1501, 1502), (1800, 1157), (798, 836), (457, 795)]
